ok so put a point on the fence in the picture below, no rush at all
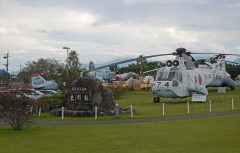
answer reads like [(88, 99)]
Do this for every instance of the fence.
[(163, 110), (176, 109)]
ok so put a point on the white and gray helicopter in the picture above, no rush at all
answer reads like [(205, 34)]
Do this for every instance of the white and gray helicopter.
[(103, 73), (180, 78)]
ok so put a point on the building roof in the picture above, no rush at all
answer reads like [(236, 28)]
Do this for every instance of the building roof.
[(2, 72)]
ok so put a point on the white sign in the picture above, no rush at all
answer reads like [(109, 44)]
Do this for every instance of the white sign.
[(221, 90), (199, 97)]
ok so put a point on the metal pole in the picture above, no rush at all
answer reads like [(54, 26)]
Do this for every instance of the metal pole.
[(117, 110), (62, 113), (188, 110), (31, 108), (95, 112), (232, 104), (210, 106), (131, 107), (67, 61), (163, 109), (39, 111), (7, 65), (6, 57), (36, 109), (67, 48)]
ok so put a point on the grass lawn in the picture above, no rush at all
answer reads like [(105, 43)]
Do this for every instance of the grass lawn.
[(142, 102), (145, 108), (205, 135)]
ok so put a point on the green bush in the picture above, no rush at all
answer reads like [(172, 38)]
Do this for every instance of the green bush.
[(49, 102), (118, 91)]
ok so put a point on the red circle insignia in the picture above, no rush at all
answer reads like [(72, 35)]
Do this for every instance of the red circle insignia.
[(199, 79)]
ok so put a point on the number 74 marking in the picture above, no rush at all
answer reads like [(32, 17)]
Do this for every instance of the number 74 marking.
[(166, 84)]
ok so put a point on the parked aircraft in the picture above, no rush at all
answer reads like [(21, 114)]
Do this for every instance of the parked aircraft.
[(221, 77), (181, 78), (126, 76), (237, 79), (104, 74), (38, 82)]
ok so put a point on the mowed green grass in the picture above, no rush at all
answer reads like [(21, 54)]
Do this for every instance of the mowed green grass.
[(142, 102), (205, 135), (144, 106)]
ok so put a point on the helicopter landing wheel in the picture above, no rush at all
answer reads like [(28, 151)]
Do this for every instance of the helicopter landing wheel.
[(156, 99)]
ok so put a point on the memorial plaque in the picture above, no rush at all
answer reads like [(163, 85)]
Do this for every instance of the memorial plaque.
[(86, 93), (79, 99)]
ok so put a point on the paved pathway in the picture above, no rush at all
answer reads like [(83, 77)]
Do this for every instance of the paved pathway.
[(186, 117)]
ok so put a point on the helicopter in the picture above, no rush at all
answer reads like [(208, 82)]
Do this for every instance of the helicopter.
[(180, 78), (221, 77), (105, 75), (237, 80)]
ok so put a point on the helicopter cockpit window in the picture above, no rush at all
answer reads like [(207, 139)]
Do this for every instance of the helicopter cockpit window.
[(170, 74), (165, 74), (160, 74), (178, 76)]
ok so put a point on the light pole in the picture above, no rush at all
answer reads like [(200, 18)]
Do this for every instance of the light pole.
[(6, 57), (7, 65), (67, 48)]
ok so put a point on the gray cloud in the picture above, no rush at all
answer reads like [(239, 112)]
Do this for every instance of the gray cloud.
[(105, 30)]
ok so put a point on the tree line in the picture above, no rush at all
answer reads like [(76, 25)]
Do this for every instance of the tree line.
[(65, 74), (52, 69)]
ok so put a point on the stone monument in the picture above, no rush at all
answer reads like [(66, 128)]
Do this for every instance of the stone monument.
[(86, 93)]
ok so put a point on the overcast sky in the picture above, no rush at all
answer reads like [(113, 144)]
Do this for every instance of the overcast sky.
[(104, 30)]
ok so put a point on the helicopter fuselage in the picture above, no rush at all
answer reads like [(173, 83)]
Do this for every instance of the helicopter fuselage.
[(178, 81)]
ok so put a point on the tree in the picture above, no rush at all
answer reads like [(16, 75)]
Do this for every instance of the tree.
[(71, 72), (73, 60), (51, 69), (233, 70), (91, 66), (113, 68), (15, 108), (135, 68), (48, 68), (141, 61)]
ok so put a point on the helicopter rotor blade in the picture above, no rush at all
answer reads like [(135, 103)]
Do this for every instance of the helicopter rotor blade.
[(178, 52), (157, 55), (216, 53), (232, 62), (130, 60)]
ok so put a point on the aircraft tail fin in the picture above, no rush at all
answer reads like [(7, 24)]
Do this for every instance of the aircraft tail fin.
[(38, 81)]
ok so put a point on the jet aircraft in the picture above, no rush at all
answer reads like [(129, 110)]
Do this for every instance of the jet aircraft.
[(38, 82)]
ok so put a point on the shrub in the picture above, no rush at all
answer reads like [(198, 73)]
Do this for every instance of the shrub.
[(118, 90), (49, 102), (15, 108)]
